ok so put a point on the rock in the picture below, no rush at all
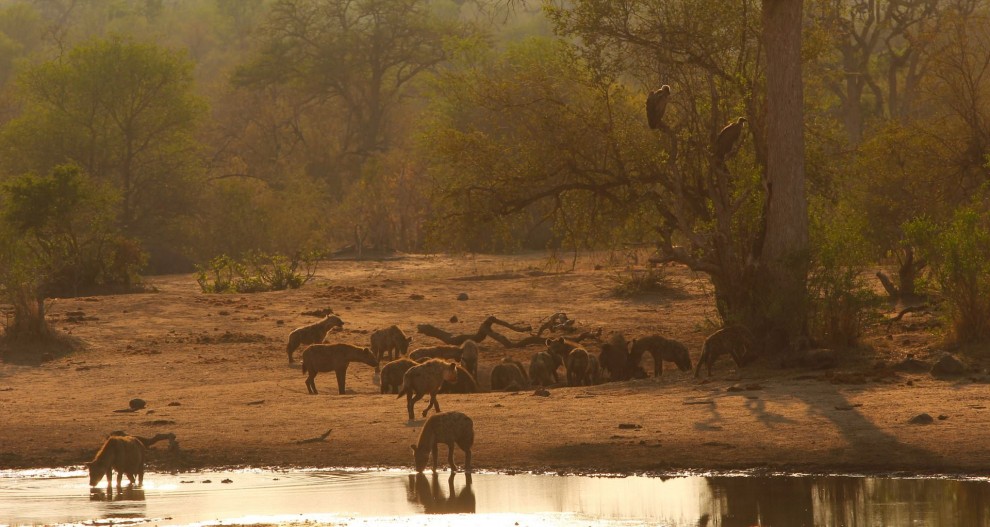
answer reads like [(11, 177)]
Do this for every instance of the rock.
[(942, 417), (462, 297), (454, 319), (175, 403), (415, 296), (922, 419), (948, 365), (630, 426), (542, 392), (226, 480), (912, 365), (137, 404)]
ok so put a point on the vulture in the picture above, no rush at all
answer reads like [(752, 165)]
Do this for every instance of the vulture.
[(727, 138), (656, 104)]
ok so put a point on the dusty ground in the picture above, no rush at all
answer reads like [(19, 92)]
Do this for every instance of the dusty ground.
[(213, 371)]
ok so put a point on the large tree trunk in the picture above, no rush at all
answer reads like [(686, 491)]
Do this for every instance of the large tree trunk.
[(29, 321), (784, 255)]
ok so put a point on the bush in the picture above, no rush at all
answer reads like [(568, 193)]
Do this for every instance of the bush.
[(258, 272), (841, 302), (959, 256), (633, 282)]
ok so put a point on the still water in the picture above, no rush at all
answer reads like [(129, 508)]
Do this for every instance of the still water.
[(392, 497)]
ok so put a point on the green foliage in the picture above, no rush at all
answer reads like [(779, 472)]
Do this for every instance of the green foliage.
[(958, 252), (257, 272), (125, 113), (67, 233), (842, 303)]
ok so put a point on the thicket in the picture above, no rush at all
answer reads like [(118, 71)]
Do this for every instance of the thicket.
[(271, 128)]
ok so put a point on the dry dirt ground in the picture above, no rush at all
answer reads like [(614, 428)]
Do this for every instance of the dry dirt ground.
[(213, 370)]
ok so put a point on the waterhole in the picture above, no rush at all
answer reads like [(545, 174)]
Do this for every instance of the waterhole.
[(394, 497)]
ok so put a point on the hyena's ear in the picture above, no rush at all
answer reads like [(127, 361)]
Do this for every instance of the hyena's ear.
[(549, 341), (408, 340)]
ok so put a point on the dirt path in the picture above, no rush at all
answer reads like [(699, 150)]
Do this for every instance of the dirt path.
[(213, 371)]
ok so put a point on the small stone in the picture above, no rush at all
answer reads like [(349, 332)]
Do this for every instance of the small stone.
[(279, 322), (462, 297), (416, 296), (922, 419), (454, 319), (207, 481), (754, 387), (227, 480), (542, 392), (942, 417), (137, 404), (910, 383), (734, 388), (175, 403), (629, 426)]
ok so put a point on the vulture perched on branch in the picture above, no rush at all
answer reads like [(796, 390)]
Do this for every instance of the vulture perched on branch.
[(727, 138), (656, 104)]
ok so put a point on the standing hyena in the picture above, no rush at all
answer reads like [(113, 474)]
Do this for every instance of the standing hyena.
[(426, 378), (312, 334), (737, 341), (578, 366), (663, 349), (447, 428), (391, 340), (333, 357)]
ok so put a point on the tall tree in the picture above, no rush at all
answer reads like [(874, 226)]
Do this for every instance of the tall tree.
[(125, 113)]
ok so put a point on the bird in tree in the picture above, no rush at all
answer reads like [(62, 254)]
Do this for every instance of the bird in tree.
[(727, 138), (656, 104)]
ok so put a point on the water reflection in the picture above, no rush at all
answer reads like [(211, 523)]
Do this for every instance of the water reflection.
[(328, 495), (435, 500), (128, 493)]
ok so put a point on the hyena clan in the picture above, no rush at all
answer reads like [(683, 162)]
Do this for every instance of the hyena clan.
[(448, 428)]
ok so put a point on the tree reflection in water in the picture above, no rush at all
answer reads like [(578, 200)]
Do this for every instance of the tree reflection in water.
[(847, 501)]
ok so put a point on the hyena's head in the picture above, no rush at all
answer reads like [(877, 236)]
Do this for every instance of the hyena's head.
[(421, 457), (450, 372), (95, 474)]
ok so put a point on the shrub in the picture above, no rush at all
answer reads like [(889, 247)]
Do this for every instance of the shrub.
[(257, 273), (841, 302), (959, 256), (633, 282)]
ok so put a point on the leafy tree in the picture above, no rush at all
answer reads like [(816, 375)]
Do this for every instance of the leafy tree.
[(125, 113)]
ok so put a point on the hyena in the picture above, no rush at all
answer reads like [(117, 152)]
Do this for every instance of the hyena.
[(737, 341), (125, 454), (543, 368), (594, 369), (577, 368), (393, 372), (391, 340), (426, 378), (507, 376), (614, 358), (311, 334), (561, 347), (465, 383), (469, 357), (663, 349), (448, 428), (333, 357)]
